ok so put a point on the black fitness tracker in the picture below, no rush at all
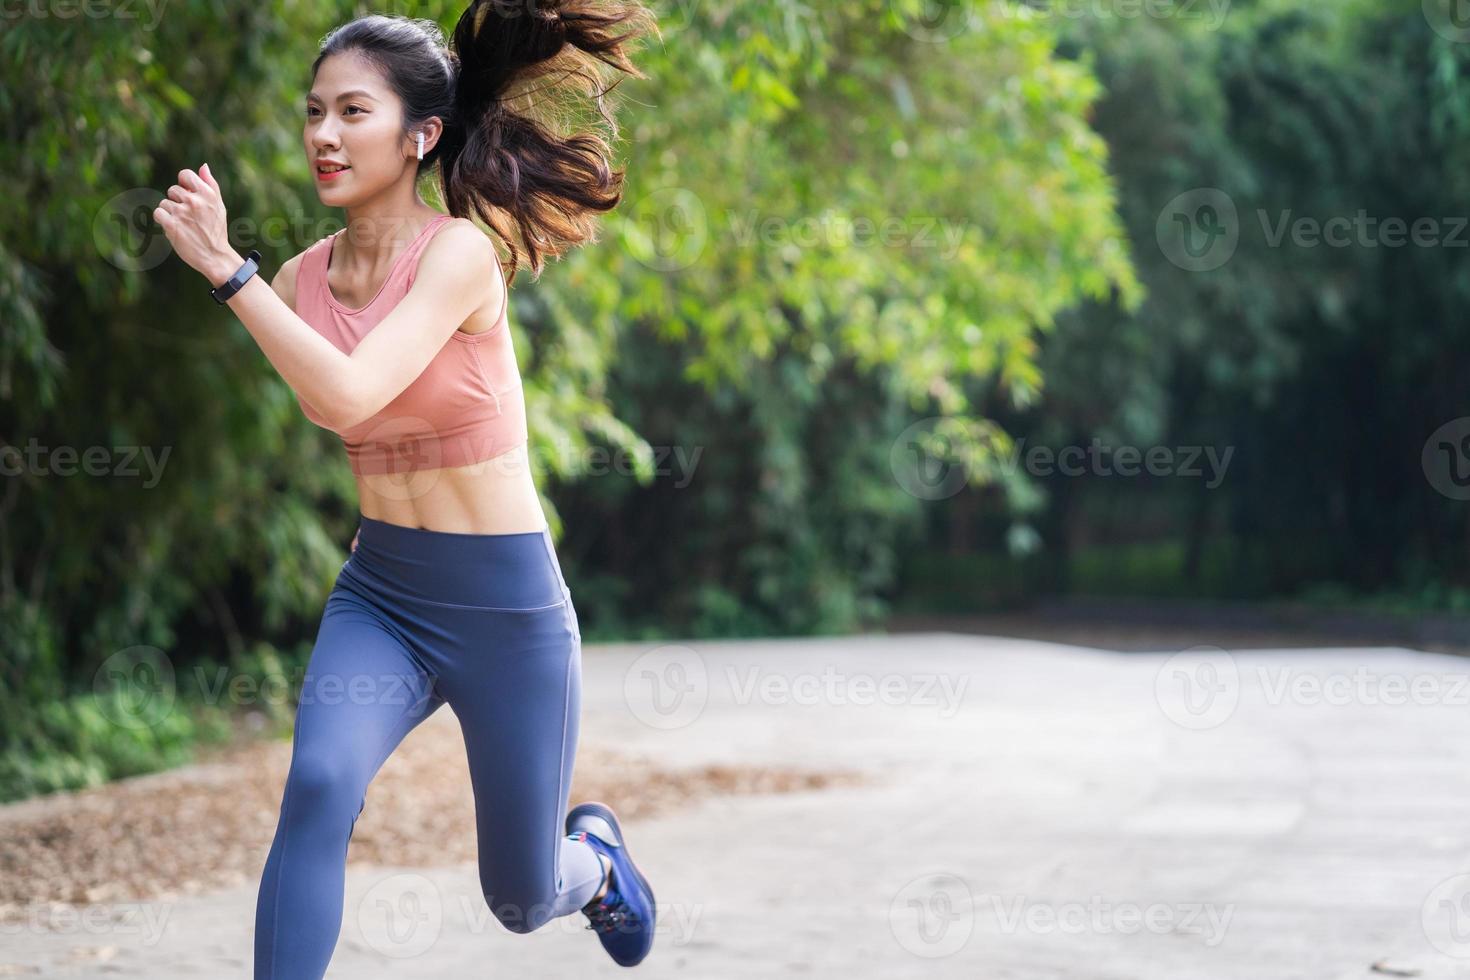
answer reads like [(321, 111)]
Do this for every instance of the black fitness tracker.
[(239, 279)]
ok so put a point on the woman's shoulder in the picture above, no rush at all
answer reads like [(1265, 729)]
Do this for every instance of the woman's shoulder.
[(463, 245), (458, 237), (288, 274)]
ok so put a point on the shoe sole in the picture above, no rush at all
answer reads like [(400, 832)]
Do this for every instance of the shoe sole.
[(603, 812)]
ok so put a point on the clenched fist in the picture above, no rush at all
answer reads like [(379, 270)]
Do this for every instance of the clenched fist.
[(192, 216)]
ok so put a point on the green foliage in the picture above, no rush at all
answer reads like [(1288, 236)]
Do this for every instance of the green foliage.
[(776, 291), (76, 742), (1324, 368)]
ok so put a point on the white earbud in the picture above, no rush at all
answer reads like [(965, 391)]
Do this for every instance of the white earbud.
[(421, 146)]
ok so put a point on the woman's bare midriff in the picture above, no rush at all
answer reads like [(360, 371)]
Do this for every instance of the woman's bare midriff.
[(496, 496)]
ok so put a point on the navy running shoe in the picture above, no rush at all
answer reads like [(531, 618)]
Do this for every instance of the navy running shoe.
[(624, 916)]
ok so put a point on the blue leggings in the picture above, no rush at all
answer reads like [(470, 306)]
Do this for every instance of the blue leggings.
[(418, 618)]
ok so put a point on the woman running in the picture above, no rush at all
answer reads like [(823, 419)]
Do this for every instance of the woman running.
[(393, 333)]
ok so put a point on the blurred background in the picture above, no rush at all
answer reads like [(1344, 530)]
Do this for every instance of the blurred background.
[(1065, 312)]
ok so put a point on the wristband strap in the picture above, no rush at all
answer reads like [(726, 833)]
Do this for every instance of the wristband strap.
[(239, 279)]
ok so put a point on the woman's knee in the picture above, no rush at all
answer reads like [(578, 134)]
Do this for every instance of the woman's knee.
[(320, 779), (522, 912)]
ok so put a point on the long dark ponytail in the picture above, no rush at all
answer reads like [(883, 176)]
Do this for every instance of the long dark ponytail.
[(505, 87)]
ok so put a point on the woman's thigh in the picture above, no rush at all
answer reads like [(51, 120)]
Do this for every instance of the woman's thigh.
[(363, 691), (515, 686)]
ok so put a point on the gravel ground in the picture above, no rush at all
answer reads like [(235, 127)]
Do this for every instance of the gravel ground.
[(209, 826), (1033, 811)]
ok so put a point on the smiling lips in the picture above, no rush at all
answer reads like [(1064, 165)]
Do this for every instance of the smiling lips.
[(330, 171)]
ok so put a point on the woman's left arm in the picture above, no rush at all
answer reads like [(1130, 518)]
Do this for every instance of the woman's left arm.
[(345, 388), (193, 217)]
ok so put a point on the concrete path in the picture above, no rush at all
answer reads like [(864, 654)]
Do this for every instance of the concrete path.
[(1035, 811)]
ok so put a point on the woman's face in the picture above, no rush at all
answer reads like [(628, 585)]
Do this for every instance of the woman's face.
[(354, 119)]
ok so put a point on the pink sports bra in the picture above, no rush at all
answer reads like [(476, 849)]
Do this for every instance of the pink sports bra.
[(467, 406)]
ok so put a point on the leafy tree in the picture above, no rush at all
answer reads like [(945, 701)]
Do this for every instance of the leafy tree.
[(728, 309)]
